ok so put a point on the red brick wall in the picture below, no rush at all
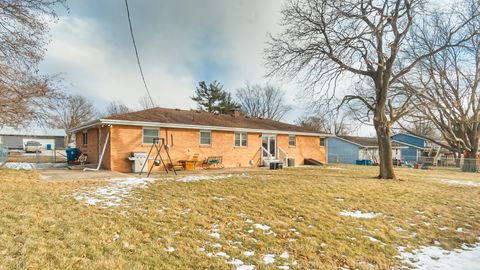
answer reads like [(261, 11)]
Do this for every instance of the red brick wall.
[(186, 143)]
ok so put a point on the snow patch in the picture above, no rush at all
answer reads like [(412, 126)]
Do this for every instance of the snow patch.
[(337, 168), (235, 262), (170, 249), (215, 235), (359, 214), (434, 257), (112, 195), (195, 178), (284, 255), (221, 254), (262, 227), (269, 259), (246, 267), (460, 182), (248, 253)]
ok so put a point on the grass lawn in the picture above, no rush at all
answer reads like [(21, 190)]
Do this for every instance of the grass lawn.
[(263, 218)]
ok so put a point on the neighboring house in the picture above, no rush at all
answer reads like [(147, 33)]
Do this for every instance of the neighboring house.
[(349, 149), (419, 149), (241, 141), (17, 138)]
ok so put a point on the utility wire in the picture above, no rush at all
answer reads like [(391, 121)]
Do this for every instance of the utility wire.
[(136, 53)]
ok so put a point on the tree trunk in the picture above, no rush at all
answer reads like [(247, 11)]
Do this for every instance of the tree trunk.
[(382, 127)]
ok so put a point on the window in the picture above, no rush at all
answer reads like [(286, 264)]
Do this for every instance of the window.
[(322, 141), (205, 137), (292, 140), (85, 138), (240, 139), (149, 134)]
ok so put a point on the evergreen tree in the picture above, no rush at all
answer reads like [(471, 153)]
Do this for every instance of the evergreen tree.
[(213, 99)]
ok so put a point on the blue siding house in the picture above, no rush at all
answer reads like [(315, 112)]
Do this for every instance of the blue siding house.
[(349, 149), (415, 146), (342, 151)]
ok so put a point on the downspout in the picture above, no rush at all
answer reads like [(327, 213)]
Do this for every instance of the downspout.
[(103, 153)]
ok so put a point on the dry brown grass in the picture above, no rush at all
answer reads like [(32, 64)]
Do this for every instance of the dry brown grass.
[(43, 226)]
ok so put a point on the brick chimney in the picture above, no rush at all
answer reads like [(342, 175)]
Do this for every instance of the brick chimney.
[(235, 112)]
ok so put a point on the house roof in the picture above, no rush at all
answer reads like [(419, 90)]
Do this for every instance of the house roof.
[(369, 142), (197, 119), (34, 132)]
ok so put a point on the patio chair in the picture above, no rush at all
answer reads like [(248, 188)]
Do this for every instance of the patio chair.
[(213, 161)]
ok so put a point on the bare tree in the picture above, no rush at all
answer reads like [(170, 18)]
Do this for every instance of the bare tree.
[(446, 86), (71, 112), (420, 127), (24, 26), (262, 101), (115, 108), (337, 121), (362, 40), (146, 103)]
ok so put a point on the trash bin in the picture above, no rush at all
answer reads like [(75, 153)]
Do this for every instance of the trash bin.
[(49, 147), (72, 154), (138, 160), (291, 162)]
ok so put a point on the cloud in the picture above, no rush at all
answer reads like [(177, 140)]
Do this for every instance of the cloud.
[(180, 43)]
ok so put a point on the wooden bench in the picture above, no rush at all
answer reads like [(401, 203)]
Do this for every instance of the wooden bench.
[(214, 161)]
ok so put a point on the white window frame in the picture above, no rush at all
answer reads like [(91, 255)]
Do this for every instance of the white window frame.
[(324, 141), (210, 137), (294, 140), (243, 136), (143, 134), (85, 137)]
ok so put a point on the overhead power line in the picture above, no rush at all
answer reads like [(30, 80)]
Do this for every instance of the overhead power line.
[(136, 53)]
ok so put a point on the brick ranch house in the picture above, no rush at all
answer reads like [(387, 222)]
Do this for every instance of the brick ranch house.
[(240, 140)]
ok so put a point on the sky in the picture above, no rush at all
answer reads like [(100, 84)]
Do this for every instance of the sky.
[(180, 43)]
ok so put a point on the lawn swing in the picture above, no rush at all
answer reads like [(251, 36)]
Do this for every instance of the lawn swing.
[(159, 145)]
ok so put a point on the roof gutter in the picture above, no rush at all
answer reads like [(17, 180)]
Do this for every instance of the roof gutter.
[(185, 126)]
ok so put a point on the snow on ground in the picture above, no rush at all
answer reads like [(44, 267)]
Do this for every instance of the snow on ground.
[(269, 259), (235, 262), (33, 166), (248, 253), (194, 178), (434, 257), (262, 227), (460, 182), (246, 267), (120, 188), (113, 194), (337, 168), (359, 214)]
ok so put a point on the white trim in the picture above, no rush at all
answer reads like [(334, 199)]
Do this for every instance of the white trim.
[(370, 147), (85, 137), (242, 134), (200, 137), (294, 140), (324, 141), (411, 135), (201, 127), (410, 145), (143, 128)]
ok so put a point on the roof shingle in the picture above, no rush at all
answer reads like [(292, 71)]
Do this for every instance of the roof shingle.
[(192, 117), (367, 141)]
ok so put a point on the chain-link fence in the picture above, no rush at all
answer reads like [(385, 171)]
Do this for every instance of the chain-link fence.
[(39, 156), (467, 164), (446, 162)]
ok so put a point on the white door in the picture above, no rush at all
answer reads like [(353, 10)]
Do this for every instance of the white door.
[(269, 147)]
